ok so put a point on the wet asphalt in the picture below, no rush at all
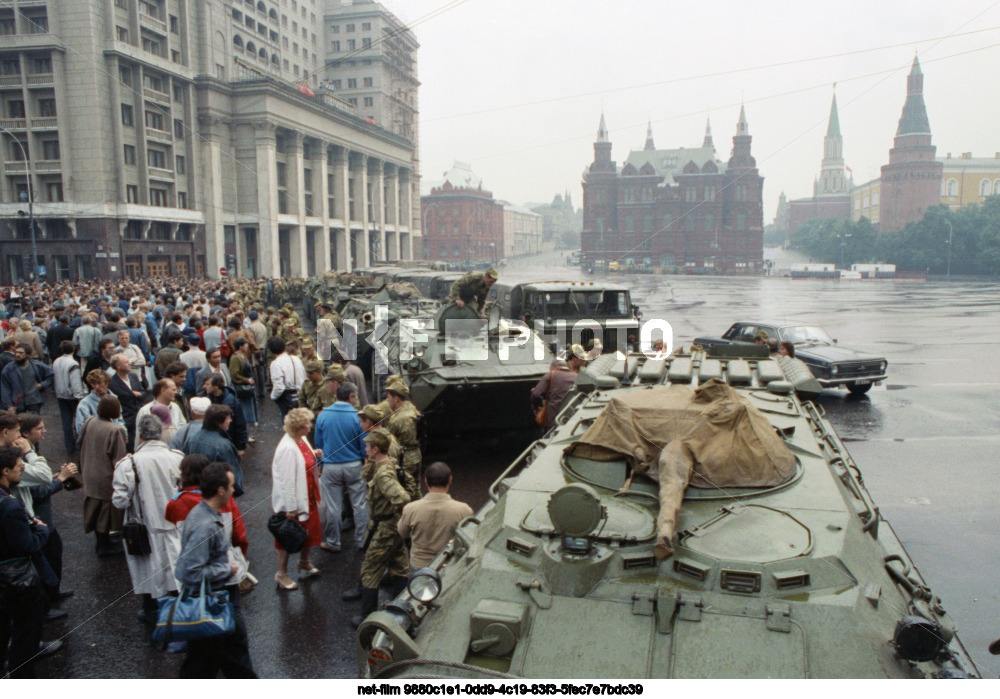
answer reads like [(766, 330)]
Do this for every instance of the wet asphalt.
[(927, 443)]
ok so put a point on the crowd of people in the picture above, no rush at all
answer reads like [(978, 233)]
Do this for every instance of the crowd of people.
[(159, 387)]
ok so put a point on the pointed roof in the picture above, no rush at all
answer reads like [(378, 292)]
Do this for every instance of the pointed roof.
[(602, 130), (834, 128), (914, 117), (649, 137), (708, 143), (742, 127)]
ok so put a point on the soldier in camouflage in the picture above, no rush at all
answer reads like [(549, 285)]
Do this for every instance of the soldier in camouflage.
[(402, 423), (471, 290), (309, 394), (385, 549), (334, 377), (371, 417)]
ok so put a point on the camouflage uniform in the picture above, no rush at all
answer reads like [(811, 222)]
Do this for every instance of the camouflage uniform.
[(402, 424), (309, 394), (471, 288), (335, 372), (386, 548)]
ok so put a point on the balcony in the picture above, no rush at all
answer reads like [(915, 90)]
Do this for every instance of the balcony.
[(38, 166), (157, 25), (14, 124), (156, 95), (40, 80), (10, 81), (45, 123), (159, 173), (157, 135)]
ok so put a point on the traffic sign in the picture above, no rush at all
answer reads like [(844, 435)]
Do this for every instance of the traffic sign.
[(223, 271)]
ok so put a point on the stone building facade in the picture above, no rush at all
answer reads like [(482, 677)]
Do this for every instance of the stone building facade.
[(679, 210), (522, 231), (462, 222), (166, 137)]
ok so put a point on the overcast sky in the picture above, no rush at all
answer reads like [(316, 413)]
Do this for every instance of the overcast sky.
[(516, 87)]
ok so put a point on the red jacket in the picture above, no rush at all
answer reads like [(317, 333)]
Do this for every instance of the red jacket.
[(181, 505)]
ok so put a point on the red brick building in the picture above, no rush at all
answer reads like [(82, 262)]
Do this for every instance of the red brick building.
[(679, 210), (911, 182), (461, 220)]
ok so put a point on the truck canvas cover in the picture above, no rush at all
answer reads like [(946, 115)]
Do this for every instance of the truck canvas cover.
[(704, 437)]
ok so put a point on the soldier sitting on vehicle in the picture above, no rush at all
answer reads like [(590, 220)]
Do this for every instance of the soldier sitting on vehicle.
[(471, 290)]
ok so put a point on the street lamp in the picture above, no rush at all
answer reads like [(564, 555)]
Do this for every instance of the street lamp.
[(843, 244), (30, 194), (951, 233)]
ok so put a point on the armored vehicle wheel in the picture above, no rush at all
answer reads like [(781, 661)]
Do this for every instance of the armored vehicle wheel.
[(859, 389)]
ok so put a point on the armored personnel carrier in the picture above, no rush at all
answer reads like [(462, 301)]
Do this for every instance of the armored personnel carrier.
[(685, 517), (467, 383)]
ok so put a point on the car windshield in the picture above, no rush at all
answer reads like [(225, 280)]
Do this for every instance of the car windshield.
[(591, 303), (806, 333)]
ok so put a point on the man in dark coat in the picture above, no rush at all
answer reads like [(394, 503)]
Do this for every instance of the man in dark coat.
[(129, 391), (57, 333), (213, 442), (221, 394)]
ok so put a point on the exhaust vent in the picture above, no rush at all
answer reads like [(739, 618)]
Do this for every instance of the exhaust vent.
[(740, 581), (638, 561), (789, 579), (692, 569)]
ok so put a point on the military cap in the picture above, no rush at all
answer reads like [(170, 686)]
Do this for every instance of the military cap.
[(761, 335), (287, 305), (270, 309), (335, 372), (379, 437), (492, 273), (576, 351), (399, 387), (559, 363), (314, 365), (392, 378), (307, 341), (372, 412)]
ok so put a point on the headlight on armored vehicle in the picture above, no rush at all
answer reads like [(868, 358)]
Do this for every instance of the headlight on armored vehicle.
[(834, 370), (424, 585), (883, 365)]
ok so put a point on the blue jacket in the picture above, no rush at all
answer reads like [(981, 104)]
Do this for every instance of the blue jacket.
[(19, 536), (215, 445), (11, 386), (339, 434)]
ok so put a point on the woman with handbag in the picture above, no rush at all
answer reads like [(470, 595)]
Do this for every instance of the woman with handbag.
[(102, 445), (241, 369), (143, 485), (295, 491)]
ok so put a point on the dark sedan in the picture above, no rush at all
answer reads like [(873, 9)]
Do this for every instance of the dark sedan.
[(832, 364)]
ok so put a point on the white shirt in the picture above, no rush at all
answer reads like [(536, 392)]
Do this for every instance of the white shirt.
[(287, 374), (66, 378), (194, 358)]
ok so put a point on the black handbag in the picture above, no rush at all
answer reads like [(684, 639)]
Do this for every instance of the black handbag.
[(134, 534), (17, 575), (289, 534)]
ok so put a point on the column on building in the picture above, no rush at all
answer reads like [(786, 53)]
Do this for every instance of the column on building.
[(341, 182), (391, 211), (376, 173), (359, 171), (296, 194), (406, 215), (267, 199), (320, 205), (211, 195)]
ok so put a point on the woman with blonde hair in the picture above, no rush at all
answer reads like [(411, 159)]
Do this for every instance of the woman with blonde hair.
[(295, 490)]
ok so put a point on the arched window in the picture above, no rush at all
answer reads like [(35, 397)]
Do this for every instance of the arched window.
[(238, 41), (984, 188), (274, 58), (952, 188), (251, 47), (996, 186), (262, 53), (273, 14), (261, 7)]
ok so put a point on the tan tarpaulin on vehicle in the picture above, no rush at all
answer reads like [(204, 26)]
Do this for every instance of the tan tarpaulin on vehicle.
[(707, 437), (397, 291)]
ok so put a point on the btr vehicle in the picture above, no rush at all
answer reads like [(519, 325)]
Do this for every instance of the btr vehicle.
[(833, 365), (564, 313), (685, 517)]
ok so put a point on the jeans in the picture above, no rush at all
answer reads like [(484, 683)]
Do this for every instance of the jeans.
[(335, 480), (249, 406), (67, 411)]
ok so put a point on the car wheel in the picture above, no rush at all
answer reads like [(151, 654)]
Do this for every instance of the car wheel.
[(859, 389)]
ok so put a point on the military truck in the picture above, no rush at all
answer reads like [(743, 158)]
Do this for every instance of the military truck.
[(564, 313), (467, 383), (685, 517)]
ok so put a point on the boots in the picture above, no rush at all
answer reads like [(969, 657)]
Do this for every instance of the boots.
[(369, 604)]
